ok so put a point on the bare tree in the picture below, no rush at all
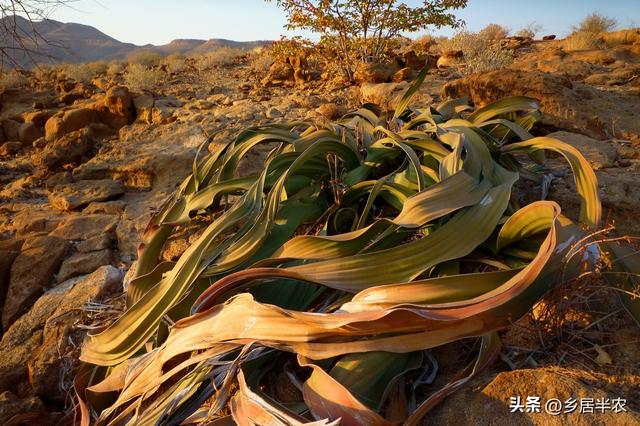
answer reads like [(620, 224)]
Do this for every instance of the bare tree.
[(19, 34)]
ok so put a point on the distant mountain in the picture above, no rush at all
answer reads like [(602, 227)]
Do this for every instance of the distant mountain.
[(71, 42), (217, 43), (181, 45)]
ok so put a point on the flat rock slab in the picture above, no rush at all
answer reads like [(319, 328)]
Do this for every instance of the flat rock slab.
[(32, 348), (491, 405), (79, 194), (80, 228), (83, 263), (31, 272)]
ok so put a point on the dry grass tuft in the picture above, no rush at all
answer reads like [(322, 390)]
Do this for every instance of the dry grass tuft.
[(577, 323), (582, 40), (12, 80)]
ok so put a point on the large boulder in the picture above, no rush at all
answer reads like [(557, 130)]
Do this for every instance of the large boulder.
[(31, 273), (373, 72), (565, 105), (70, 148), (618, 173), (116, 109), (69, 121), (619, 191), (616, 77), (39, 351)]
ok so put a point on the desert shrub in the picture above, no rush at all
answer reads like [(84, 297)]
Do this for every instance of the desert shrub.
[(277, 279), (145, 57), (84, 72), (139, 76), (286, 47), (423, 44), (582, 40), (176, 63), (221, 57), (98, 67), (78, 72), (480, 53), (494, 32), (44, 71), (440, 39), (596, 23), (530, 30), (457, 42), (437, 42), (115, 67), (12, 80)]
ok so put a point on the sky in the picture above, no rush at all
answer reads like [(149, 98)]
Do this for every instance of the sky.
[(160, 21)]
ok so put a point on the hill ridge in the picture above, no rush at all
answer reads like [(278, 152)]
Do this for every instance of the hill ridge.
[(72, 42)]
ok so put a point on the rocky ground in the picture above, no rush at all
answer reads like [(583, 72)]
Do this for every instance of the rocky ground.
[(83, 166)]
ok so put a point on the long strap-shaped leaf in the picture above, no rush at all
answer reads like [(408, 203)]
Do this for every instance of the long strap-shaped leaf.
[(454, 193), (355, 273), (314, 335), (131, 331), (584, 176), (410, 93)]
